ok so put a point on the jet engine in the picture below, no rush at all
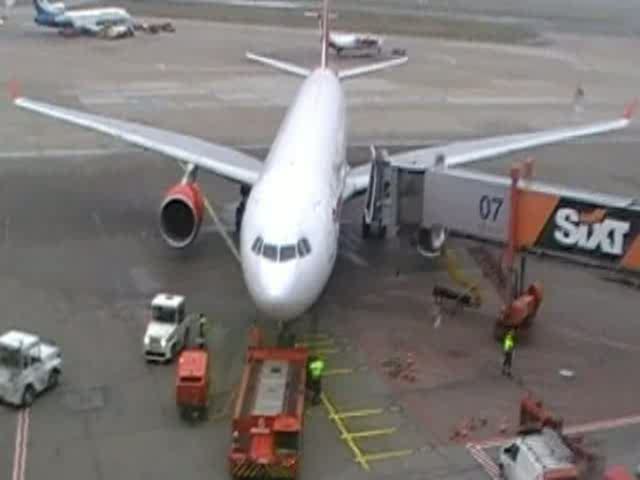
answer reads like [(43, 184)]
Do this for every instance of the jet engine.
[(181, 214), (431, 240)]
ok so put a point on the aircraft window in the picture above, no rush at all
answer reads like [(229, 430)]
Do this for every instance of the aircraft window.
[(270, 251), (257, 245), (287, 252), (304, 248)]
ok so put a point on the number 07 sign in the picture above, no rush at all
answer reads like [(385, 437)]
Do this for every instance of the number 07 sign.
[(467, 202)]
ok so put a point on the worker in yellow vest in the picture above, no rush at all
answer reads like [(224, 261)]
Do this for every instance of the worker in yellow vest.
[(315, 370), (508, 345)]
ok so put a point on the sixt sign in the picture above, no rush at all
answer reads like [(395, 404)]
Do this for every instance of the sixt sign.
[(592, 231)]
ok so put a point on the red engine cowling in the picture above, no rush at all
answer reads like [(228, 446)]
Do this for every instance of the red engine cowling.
[(181, 214)]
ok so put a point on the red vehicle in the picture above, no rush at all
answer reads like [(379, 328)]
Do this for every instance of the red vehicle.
[(192, 383), (269, 414)]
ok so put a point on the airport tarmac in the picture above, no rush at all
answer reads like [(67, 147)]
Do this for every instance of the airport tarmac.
[(81, 256)]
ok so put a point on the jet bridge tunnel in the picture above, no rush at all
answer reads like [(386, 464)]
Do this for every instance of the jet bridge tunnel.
[(579, 225)]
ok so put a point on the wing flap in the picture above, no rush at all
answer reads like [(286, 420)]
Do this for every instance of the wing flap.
[(224, 161)]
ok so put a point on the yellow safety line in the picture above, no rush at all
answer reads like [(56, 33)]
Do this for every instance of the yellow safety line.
[(310, 336), (343, 431), (316, 343), (323, 351), (337, 371), (387, 455), (371, 433), (358, 413)]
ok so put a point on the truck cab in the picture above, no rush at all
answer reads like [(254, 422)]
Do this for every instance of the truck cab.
[(28, 366), (168, 329), (539, 455)]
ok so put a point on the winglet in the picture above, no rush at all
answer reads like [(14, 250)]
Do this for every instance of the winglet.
[(630, 109), (14, 88)]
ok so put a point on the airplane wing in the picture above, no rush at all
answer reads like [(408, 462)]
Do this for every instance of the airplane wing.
[(224, 161), (468, 151)]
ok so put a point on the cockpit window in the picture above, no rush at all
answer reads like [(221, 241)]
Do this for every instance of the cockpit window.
[(257, 245), (304, 248), (287, 252), (270, 251)]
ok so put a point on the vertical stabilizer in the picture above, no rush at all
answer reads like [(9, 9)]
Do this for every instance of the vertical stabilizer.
[(324, 21)]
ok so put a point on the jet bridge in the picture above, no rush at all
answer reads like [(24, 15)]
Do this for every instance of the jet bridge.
[(394, 197), (580, 225)]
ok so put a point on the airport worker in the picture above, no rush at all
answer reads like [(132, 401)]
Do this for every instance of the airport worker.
[(202, 330), (508, 344), (315, 371)]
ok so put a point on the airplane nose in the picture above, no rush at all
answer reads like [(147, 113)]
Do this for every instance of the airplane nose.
[(276, 290)]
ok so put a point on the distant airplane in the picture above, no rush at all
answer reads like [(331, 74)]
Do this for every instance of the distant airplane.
[(351, 41), (292, 202), (109, 22)]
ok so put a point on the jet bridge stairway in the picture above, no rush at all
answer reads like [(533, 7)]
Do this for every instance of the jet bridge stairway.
[(393, 198)]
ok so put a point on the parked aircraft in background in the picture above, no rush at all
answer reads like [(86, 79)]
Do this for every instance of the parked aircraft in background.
[(362, 43), (110, 22)]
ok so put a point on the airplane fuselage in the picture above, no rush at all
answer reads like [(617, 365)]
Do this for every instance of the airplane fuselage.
[(289, 235)]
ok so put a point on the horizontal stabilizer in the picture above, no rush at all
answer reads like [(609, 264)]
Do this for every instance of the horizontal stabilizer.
[(373, 67), (279, 65)]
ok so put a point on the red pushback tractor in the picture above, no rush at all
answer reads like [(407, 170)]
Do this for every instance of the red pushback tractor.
[(269, 414)]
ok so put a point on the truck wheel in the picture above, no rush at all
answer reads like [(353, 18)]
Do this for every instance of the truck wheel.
[(54, 379), (28, 396), (174, 351)]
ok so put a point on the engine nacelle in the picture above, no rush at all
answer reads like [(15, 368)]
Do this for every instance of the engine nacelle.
[(181, 214), (431, 240)]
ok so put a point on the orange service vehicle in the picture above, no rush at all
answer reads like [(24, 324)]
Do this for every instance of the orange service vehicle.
[(269, 414), (192, 383)]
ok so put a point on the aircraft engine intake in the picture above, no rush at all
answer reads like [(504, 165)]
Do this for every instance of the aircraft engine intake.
[(181, 214)]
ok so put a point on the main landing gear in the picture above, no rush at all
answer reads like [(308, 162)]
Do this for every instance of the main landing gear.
[(244, 194)]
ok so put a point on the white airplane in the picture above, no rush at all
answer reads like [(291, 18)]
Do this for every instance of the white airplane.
[(92, 21), (350, 41), (359, 42), (289, 231)]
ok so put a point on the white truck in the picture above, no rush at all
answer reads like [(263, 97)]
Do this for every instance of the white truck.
[(169, 328), (542, 455), (28, 366)]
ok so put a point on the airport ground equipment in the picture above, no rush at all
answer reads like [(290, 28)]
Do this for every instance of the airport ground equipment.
[(193, 383), (28, 366), (168, 330), (541, 451), (268, 419), (520, 313)]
